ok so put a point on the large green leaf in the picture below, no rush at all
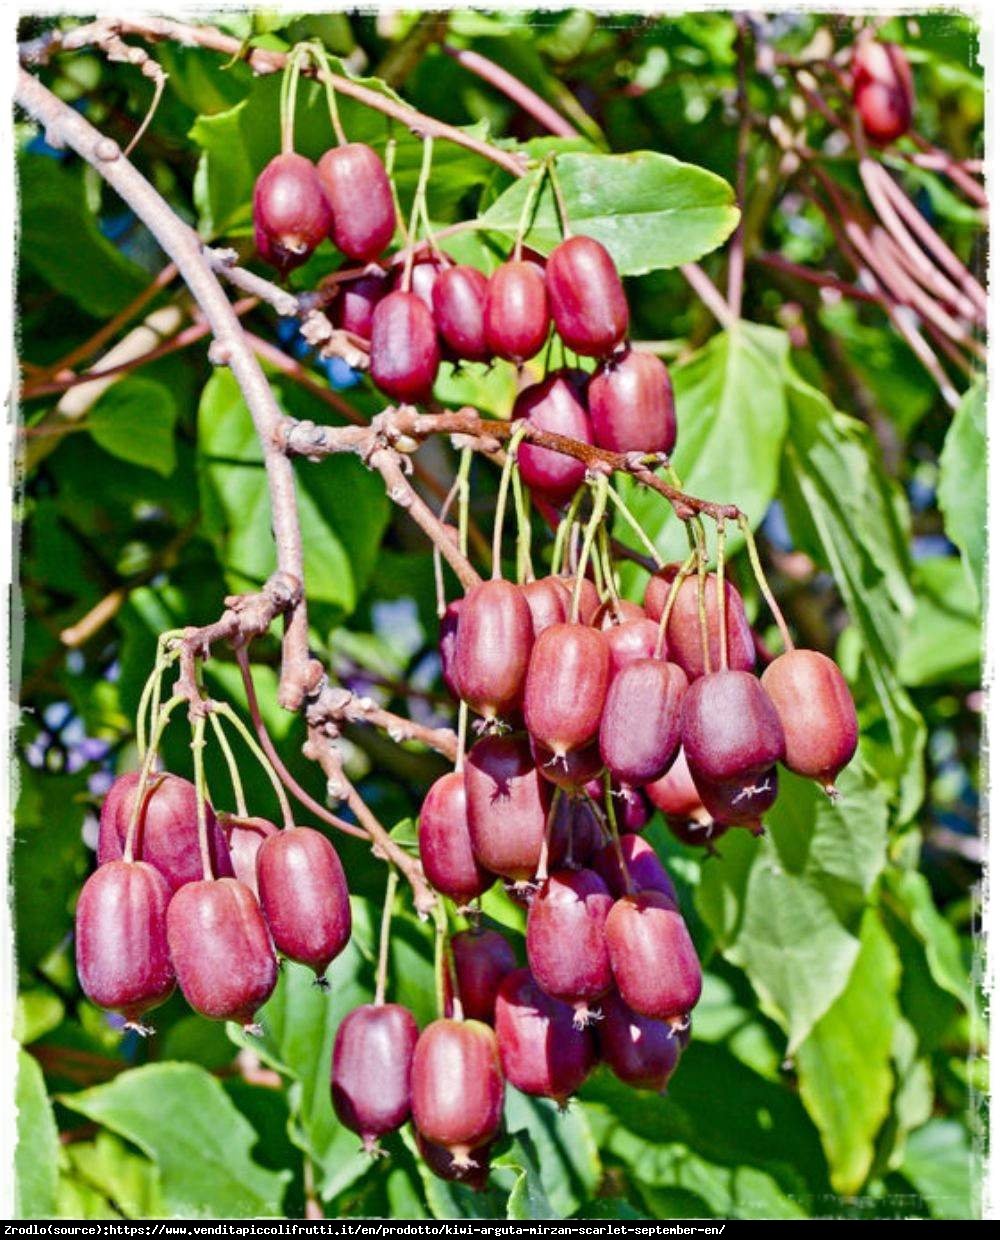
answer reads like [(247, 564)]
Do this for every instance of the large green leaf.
[(126, 1181), (61, 240), (528, 1199), (180, 1117), (650, 210), (844, 512), (36, 1155), (845, 1064), (962, 487), (731, 421), (908, 895), (942, 640), (342, 508), (942, 1165), (134, 420), (567, 1162), (787, 908)]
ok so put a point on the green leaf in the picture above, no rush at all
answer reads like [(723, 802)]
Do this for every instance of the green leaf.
[(731, 418), (180, 1117), (942, 640), (61, 241), (650, 210), (942, 1165), (787, 908), (38, 1012), (565, 1152), (527, 1198), (845, 1065), (123, 1178), (962, 486), (844, 513), (909, 896), (134, 420), (36, 1156), (448, 1200), (343, 509)]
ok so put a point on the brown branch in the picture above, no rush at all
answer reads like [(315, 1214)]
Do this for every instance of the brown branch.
[(515, 90), (737, 249)]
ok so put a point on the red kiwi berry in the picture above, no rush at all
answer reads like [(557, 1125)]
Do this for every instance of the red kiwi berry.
[(628, 642), (370, 1070), (457, 1087), (590, 600), (616, 612), (576, 834), (573, 770), (167, 830), (354, 308), (492, 647), (303, 892), (586, 297), (883, 90), (684, 625), (675, 795), (517, 311), (359, 195), (565, 939), (631, 404), (740, 802), (641, 723), (423, 279), (459, 301), (221, 950), (652, 957), (642, 864), (542, 1049), (556, 405), (473, 1172), (447, 640), (816, 711), (404, 347), (548, 601), (632, 809), (729, 728), (639, 1050), (565, 687), (445, 844), (508, 806), (290, 211), (122, 958), (483, 958), (244, 837)]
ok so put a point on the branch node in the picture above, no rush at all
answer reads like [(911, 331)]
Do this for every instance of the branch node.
[(107, 150)]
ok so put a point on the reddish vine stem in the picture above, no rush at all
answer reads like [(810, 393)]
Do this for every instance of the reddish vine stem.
[(515, 90)]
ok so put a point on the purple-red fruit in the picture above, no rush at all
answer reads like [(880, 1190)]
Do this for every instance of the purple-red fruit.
[(573, 770), (684, 625), (508, 804), (445, 844), (631, 403), (652, 957), (404, 347), (447, 641), (167, 829), (303, 892), (635, 639), (548, 601), (740, 802), (616, 612), (456, 1087), (643, 866), (641, 723), (370, 1070), (883, 90), (590, 600), (816, 711), (483, 958), (517, 311), (632, 809), (290, 212), (586, 297), (354, 308), (639, 1050), (473, 1172), (245, 836), (122, 958), (542, 1050), (459, 300), (221, 949), (357, 190), (729, 728), (566, 685), (493, 647), (576, 834), (565, 939), (675, 795), (555, 405)]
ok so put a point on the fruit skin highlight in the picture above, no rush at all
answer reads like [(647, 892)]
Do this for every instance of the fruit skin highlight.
[(508, 805), (586, 297), (816, 711), (567, 952), (542, 1050), (631, 403), (654, 962), (565, 687), (493, 644), (290, 212), (370, 1070), (404, 347), (729, 728), (516, 312), (359, 195), (445, 843)]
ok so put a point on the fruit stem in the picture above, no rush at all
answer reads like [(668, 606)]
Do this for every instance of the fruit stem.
[(679, 578), (443, 511), (526, 213), (765, 589), (149, 702), (462, 478), (634, 525), (525, 568), (596, 516), (323, 61), (562, 533), (550, 164), (698, 532), (463, 729), (234, 770), (147, 766), (382, 969), (201, 789), (289, 93), (508, 466), (444, 967), (542, 871), (608, 568), (418, 207), (227, 712), (720, 592), (609, 809)]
